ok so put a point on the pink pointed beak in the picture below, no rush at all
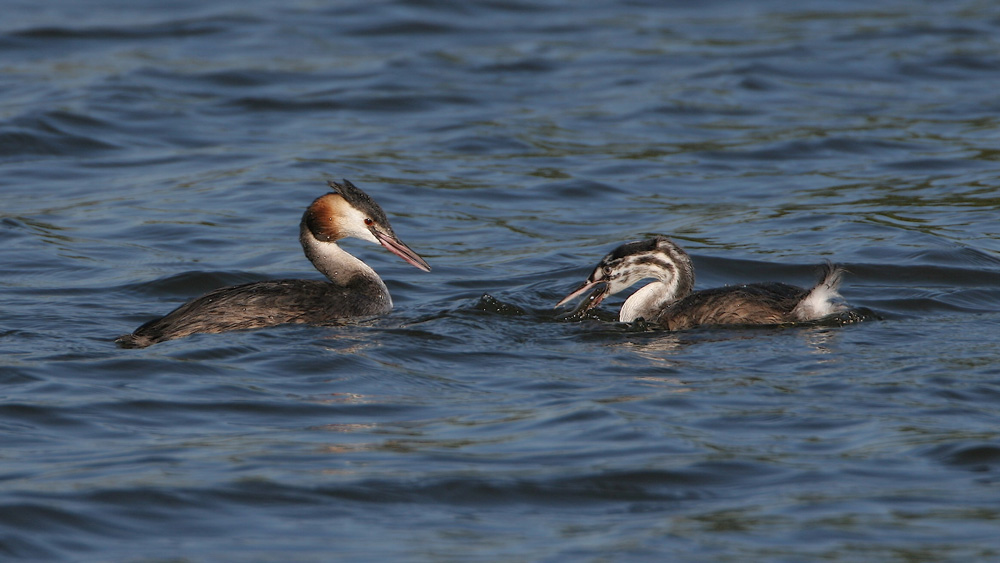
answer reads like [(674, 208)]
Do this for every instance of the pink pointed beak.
[(592, 300), (396, 246)]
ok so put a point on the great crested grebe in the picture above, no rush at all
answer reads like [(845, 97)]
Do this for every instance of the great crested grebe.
[(671, 302), (354, 289)]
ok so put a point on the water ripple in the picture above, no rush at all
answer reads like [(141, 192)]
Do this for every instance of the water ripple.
[(153, 153)]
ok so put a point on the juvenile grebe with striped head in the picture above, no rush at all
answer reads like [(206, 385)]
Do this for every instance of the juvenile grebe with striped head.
[(353, 289), (671, 302)]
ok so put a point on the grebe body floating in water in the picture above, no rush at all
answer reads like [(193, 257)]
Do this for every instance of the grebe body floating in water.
[(354, 289), (671, 302)]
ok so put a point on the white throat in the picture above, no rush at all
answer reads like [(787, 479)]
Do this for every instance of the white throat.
[(339, 265), (647, 301)]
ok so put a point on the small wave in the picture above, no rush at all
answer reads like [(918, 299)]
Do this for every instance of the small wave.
[(54, 133), (169, 29)]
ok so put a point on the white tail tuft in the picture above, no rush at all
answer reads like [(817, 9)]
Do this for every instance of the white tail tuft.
[(823, 299)]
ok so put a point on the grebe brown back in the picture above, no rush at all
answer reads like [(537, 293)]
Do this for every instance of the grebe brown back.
[(671, 302), (354, 289)]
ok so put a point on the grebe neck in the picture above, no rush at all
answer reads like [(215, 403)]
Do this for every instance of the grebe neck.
[(338, 265), (674, 273), (649, 300)]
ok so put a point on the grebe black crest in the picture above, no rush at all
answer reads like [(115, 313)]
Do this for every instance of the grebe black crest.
[(353, 289), (671, 302)]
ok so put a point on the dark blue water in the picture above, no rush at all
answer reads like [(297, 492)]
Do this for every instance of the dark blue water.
[(149, 154)]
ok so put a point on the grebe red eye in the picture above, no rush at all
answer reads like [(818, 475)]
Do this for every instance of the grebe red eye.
[(369, 222)]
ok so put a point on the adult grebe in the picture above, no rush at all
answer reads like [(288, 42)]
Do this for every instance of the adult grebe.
[(671, 303), (354, 289)]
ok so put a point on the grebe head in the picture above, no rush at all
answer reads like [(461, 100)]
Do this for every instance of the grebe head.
[(350, 212), (632, 262)]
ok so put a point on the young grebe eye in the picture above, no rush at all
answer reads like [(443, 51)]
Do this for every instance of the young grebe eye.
[(369, 222)]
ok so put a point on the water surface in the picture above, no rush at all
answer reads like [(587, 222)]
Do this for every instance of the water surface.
[(148, 155)]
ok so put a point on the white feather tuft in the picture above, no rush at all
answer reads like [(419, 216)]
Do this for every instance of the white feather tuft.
[(824, 298)]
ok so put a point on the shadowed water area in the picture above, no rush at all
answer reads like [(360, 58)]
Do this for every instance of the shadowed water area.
[(151, 154)]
